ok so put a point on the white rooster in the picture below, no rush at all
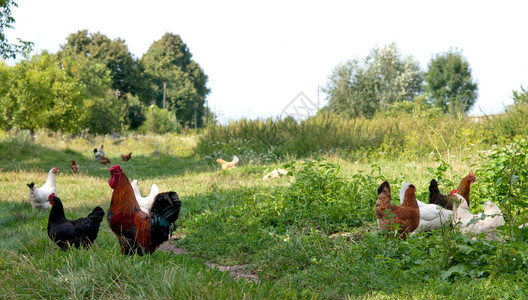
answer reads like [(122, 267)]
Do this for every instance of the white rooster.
[(38, 197), (145, 203), (432, 216), (484, 224)]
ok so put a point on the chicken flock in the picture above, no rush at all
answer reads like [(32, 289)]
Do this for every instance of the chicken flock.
[(413, 215), (142, 224)]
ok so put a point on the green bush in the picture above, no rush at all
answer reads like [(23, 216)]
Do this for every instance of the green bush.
[(164, 121)]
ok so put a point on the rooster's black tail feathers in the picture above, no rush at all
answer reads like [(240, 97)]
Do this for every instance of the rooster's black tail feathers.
[(165, 211)]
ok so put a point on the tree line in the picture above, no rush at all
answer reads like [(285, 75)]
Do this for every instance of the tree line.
[(94, 83), (361, 87)]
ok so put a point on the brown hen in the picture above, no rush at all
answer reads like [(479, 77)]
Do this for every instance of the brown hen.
[(404, 218)]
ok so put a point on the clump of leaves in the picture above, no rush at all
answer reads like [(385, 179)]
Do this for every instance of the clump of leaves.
[(320, 198), (503, 179)]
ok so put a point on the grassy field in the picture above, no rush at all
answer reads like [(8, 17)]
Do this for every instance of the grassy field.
[(309, 235)]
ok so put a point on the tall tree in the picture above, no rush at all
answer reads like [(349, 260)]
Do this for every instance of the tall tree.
[(112, 53), (105, 113), (361, 87), (40, 94), (169, 60), (449, 82), (8, 50)]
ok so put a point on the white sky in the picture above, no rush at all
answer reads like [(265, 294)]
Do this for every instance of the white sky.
[(260, 55)]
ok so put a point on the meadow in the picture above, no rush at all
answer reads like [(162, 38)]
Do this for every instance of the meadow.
[(311, 234)]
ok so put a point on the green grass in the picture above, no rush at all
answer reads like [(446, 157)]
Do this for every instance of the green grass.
[(286, 230)]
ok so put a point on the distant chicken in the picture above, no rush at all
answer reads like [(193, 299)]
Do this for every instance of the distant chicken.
[(74, 167), (228, 165), (435, 197), (38, 197), (66, 233), (145, 203), (276, 173), (104, 160), (137, 231), (404, 218), (432, 216), (98, 154), (126, 157), (485, 224)]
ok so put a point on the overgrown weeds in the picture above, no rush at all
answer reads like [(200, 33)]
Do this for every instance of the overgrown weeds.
[(409, 134)]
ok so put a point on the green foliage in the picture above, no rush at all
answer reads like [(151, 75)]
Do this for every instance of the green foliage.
[(449, 83), (360, 88), (504, 176), (405, 130), (42, 95), (164, 121), (323, 200), (95, 77), (114, 54), (513, 122), (106, 114), (135, 114), (520, 97), (8, 50), (169, 60)]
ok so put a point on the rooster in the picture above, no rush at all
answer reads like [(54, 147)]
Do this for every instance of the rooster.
[(38, 197), (435, 197), (145, 203), (99, 154), (78, 232), (228, 165), (137, 231), (74, 167), (126, 158), (486, 222), (432, 216), (404, 218)]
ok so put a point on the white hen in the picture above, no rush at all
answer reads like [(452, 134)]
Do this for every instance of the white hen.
[(145, 203), (488, 225), (38, 197), (276, 173), (432, 216), (99, 154)]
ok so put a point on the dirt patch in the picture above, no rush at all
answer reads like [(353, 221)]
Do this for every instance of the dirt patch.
[(237, 271), (168, 247)]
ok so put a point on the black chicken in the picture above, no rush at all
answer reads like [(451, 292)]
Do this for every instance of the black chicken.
[(78, 232), (435, 197)]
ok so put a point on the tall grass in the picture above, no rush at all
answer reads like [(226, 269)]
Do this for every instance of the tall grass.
[(413, 134)]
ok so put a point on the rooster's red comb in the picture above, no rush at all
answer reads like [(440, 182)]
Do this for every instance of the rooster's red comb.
[(453, 192), (51, 196), (116, 168), (471, 174)]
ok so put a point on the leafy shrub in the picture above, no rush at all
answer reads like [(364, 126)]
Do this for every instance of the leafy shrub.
[(322, 200), (164, 121), (503, 179)]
